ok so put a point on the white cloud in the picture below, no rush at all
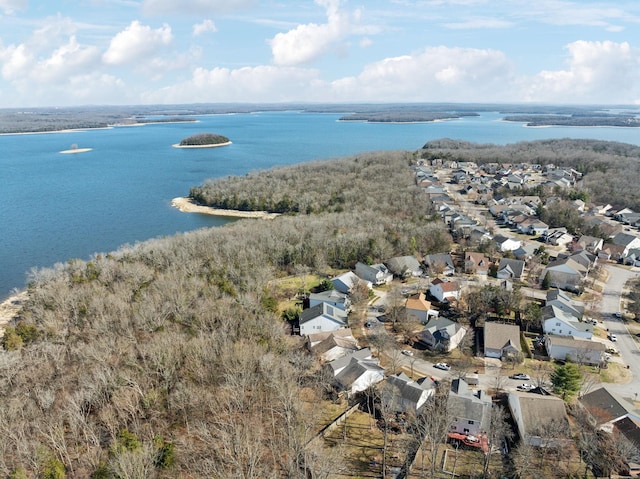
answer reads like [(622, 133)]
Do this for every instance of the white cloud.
[(9, 7), (307, 42), (204, 27), (136, 42), (264, 83), (194, 7), (15, 61), (596, 72), (434, 74), (65, 61), (479, 22)]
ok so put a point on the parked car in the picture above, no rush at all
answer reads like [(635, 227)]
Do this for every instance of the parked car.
[(618, 314), (443, 366), (406, 352), (520, 376), (525, 387), (613, 337)]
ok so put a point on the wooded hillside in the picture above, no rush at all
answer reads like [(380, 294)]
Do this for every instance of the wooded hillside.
[(165, 359)]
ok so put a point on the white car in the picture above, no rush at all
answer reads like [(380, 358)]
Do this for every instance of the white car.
[(520, 376), (613, 337), (443, 366), (406, 352), (526, 387)]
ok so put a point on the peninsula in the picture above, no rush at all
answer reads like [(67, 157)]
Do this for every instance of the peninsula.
[(203, 140), (187, 205)]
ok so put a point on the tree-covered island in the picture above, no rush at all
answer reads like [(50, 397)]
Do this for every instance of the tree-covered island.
[(203, 140)]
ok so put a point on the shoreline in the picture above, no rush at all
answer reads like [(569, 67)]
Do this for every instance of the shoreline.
[(186, 205), (10, 308), (215, 145)]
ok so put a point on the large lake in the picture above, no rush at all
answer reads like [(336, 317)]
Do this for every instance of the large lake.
[(54, 207)]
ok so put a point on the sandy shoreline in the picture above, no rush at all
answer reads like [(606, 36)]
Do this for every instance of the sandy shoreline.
[(10, 308), (178, 145), (186, 205)]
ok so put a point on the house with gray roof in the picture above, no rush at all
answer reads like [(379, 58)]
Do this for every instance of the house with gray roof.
[(376, 274), (333, 297), (541, 420), (560, 323), (359, 375), (470, 409), (561, 300), (342, 362), (510, 269), (442, 334), (501, 340), (627, 240), (406, 395), (347, 281), (581, 351), (322, 318), (334, 345), (405, 266), (439, 264)]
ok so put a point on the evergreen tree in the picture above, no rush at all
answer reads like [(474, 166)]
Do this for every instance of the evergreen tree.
[(566, 380)]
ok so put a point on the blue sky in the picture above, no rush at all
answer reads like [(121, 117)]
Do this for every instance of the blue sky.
[(59, 53)]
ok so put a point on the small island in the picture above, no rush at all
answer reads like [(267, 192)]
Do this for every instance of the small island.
[(74, 149), (203, 140)]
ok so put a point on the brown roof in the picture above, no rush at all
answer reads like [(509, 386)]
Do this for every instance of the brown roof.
[(499, 335), (418, 303)]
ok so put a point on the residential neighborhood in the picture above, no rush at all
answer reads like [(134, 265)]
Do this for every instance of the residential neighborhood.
[(512, 293)]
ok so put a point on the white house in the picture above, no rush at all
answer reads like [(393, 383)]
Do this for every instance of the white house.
[(444, 290), (322, 318), (337, 365), (505, 243), (419, 309), (560, 323), (359, 375), (501, 340), (333, 297), (407, 395), (333, 345), (581, 351), (376, 274), (510, 269), (471, 410)]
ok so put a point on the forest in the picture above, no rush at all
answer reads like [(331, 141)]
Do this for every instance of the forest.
[(167, 359), (202, 139)]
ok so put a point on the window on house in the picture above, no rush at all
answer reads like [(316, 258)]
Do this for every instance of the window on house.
[(471, 422), (466, 430), (558, 324)]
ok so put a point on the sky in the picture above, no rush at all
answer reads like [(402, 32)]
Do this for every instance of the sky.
[(126, 52)]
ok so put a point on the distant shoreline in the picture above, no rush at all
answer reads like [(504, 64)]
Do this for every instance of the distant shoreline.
[(211, 145), (186, 205)]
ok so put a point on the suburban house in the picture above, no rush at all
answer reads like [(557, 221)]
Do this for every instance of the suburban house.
[(359, 375), (561, 300), (589, 243), (419, 309), (322, 318), (581, 351), (345, 282), (439, 264), (471, 410), (541, 420), (332, 297), (405, 266), (376, 274), (406, 394), (476, 263), (332, 345), (612, 413), (564, 274), (505, 243), (510, 269), (501, 340), (627, 240), (560, 323), (337, 365), (444, 290), (442, 334), (557, 237)]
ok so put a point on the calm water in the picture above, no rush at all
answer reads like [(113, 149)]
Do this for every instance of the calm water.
[(54, 207)]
